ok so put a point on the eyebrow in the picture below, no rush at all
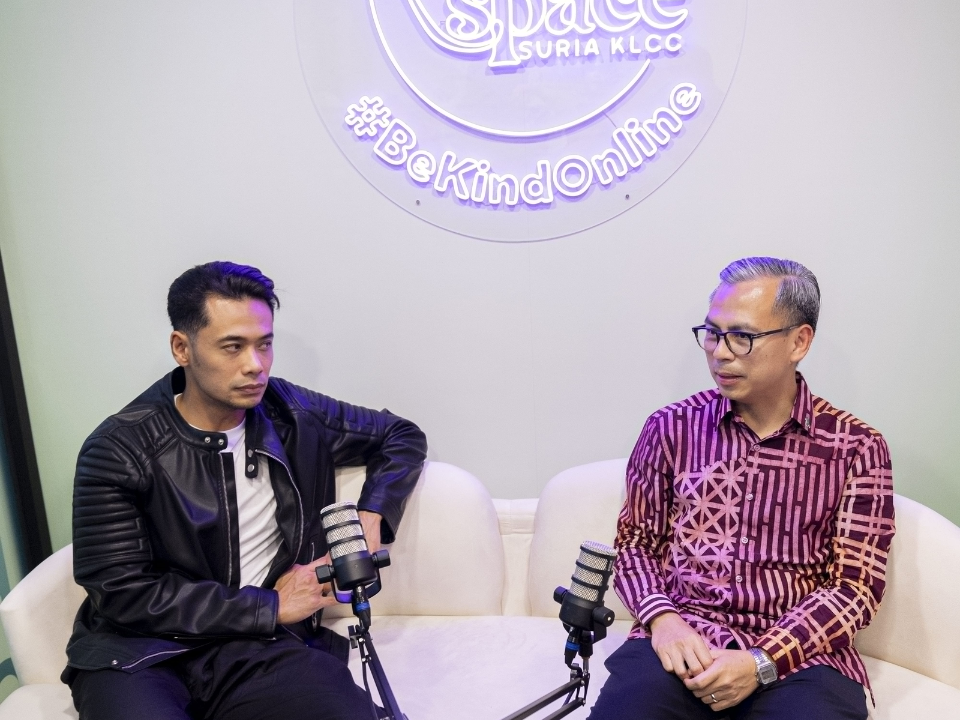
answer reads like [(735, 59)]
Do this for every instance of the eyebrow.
[(733, 328), (240, 338)]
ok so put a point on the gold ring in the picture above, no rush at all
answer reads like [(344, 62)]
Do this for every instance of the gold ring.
[(713, 697)]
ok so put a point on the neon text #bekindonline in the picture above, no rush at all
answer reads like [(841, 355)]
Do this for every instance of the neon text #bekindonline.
[(471, 179)]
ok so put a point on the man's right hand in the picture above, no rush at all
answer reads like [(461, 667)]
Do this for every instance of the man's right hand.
[(300, 593), (680, 648)]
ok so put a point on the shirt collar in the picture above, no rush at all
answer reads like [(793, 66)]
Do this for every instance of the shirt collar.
[(803, 406), (802, 415)]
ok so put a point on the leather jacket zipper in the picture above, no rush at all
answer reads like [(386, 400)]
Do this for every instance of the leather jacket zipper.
[(153, 655), (226, 507), (301, 518)]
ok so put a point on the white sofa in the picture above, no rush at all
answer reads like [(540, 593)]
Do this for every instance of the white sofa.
[(466, 626)]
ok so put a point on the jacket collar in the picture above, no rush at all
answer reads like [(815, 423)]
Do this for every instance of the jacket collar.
[(260, 434), (802, 416), (262, 437), (171, 386)]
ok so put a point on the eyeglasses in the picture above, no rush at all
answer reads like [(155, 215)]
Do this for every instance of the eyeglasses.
[(739, 343)]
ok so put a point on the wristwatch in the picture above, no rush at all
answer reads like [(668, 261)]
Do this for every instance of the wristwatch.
[(766, 669)]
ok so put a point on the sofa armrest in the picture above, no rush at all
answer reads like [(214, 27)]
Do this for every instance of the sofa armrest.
[(917, 626), (38, 617)]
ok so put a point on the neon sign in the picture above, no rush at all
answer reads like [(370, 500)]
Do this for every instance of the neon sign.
[(513, 107), (571, 176), (500, 29)]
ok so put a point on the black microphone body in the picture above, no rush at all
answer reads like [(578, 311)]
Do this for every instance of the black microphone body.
[(581, 607), (354, 569)]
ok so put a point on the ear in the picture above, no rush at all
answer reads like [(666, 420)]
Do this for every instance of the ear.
[(802, 341), (180, 348)]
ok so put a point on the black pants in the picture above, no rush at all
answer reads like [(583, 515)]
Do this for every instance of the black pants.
[(236, 680), (640, 689)]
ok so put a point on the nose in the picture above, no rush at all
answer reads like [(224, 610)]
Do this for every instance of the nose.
[(252, 364), (722, 352)]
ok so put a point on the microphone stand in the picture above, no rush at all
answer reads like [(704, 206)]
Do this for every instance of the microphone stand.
[(359, 599), (360, 639), (579, 642)]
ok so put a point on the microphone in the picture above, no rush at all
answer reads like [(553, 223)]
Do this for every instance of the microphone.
[(353, 568), (581, 607)]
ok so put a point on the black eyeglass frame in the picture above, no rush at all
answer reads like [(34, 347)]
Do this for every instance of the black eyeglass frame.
[(750, 336)]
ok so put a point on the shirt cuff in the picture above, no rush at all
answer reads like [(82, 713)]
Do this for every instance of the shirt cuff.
[(651, 606), (785, 656)]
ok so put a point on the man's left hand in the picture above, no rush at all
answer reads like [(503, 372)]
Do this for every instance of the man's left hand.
[(370, 522), (728, 681)]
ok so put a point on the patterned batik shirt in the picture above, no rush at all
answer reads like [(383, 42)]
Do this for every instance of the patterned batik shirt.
[(779, 544)]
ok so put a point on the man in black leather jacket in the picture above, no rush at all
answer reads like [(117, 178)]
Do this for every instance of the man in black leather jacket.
[(202, 600)]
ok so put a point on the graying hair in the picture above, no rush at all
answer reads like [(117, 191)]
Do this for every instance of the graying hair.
[(798, 297)]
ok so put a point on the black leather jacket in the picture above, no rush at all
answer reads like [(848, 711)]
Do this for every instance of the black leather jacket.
[(155, 538)]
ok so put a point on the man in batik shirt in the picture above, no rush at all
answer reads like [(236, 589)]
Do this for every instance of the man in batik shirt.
[(753, 542)]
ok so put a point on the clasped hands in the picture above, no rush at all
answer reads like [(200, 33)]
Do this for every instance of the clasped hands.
[(720, 678), (300, 593)]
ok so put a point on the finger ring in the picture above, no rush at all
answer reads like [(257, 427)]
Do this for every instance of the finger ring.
[(713, 697)]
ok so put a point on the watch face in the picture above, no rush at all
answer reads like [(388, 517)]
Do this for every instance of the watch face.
[(768, 673), (766, 670)]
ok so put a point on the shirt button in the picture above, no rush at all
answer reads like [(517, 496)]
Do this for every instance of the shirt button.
[(249, 468), (249, 453), (220, 441), (744, 540), (749, 496), (114, 662), (755, 448), (207, 440), (739, 578)]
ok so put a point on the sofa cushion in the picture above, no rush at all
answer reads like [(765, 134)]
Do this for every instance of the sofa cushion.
[(476, 668), (579, 504), (476, 678), (487, 667), (902, 694)]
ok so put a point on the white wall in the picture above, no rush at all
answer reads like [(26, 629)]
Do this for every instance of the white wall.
[(139, 138)]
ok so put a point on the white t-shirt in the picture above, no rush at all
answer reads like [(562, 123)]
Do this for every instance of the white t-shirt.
[(256, 512)]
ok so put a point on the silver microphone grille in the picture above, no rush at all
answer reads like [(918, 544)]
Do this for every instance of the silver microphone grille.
[(586, 592), (597, 555), (589, 579), (340, 533), (344, 533), (347, 548), (337, 513)]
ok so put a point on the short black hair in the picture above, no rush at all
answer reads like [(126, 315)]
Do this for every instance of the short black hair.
[(187, 298)]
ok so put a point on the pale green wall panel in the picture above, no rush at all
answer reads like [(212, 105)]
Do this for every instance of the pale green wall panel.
[(137, 139)]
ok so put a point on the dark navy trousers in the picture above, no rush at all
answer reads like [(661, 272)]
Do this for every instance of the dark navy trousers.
[(279, 679), (640, 689)]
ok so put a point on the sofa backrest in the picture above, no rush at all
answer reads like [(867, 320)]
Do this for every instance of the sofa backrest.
[(918, 626), (448, 546), (448, 557), (579, 504), (516, 518)]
